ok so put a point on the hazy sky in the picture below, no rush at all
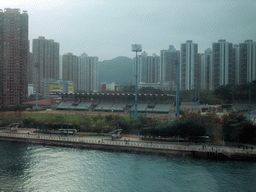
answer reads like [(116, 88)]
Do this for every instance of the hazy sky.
[(108, 28)]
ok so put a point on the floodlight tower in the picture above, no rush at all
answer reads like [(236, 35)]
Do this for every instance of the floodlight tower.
[(136, 48)]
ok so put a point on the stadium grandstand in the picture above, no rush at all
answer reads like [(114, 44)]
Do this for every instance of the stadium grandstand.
[(116, 102)]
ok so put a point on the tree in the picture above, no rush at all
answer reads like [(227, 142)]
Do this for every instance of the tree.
[(85, 123), (234, 118), (232, 125), (248, 133), (224, 92), (209, 97), (146, 122)]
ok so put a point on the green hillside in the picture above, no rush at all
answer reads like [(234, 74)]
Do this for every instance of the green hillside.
[(118, 70)]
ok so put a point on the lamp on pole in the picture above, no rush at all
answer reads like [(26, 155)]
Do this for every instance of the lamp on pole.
[(136, 48)]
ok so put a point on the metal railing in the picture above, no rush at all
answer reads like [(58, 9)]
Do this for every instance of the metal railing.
[(226, 150)]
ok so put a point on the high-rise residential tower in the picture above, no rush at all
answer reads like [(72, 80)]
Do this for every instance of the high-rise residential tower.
[(14, 50), (236, 61), (223, 63), (148, 68), (153, 69), (247, 62), (46, 60), (82, 67), (31, 68), (92, 73), (70, 69), (169, 61), (188, 65), (206, 70), (142, 67)]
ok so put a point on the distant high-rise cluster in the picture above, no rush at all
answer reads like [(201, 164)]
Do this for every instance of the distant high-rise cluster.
[(149, 68), (44, 65), (20, 68), (224, 64), (82, 70), (42, 69), (14, 49)]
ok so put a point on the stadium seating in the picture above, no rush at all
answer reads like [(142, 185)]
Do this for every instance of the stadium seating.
[(74, 105), (118, 107), (103, 106), (162, 108), (84, 106), (115, 102), (64, 105), (140, 107)]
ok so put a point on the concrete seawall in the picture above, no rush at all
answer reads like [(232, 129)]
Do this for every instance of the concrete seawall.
[(135, 147)]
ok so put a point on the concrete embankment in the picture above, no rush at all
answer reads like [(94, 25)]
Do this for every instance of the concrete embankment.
[(135, 147)]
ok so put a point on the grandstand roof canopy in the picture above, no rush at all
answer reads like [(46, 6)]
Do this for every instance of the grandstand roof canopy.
[(114, 94)]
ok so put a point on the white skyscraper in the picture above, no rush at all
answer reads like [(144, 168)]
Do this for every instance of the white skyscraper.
[(142, 67), (188, 66), (148, 68), (223, 63), (169, 59), (247, 62), (153, 69), (88, 73), (82, 64), (206, 70), (236, 60), (92, 74)]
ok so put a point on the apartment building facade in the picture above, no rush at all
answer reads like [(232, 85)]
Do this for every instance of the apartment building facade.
[(46, 60), (206, 70), (223, 63), (14, 51), (92, 74), (188, 65), (148, 68), (169, 61), (247, 62), (70, 69)]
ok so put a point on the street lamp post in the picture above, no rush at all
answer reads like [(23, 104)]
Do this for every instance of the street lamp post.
[(136, 48)]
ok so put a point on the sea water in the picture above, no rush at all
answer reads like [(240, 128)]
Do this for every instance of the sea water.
[(27, 167)]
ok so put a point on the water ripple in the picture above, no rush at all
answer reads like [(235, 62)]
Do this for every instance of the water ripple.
[(25, 167)]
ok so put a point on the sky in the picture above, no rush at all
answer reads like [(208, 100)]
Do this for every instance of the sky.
[(107, 29)]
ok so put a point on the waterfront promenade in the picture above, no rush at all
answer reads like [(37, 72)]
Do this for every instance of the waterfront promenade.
[(132, 144)]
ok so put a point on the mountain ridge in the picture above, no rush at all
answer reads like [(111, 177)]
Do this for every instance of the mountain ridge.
[(119, 69)]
